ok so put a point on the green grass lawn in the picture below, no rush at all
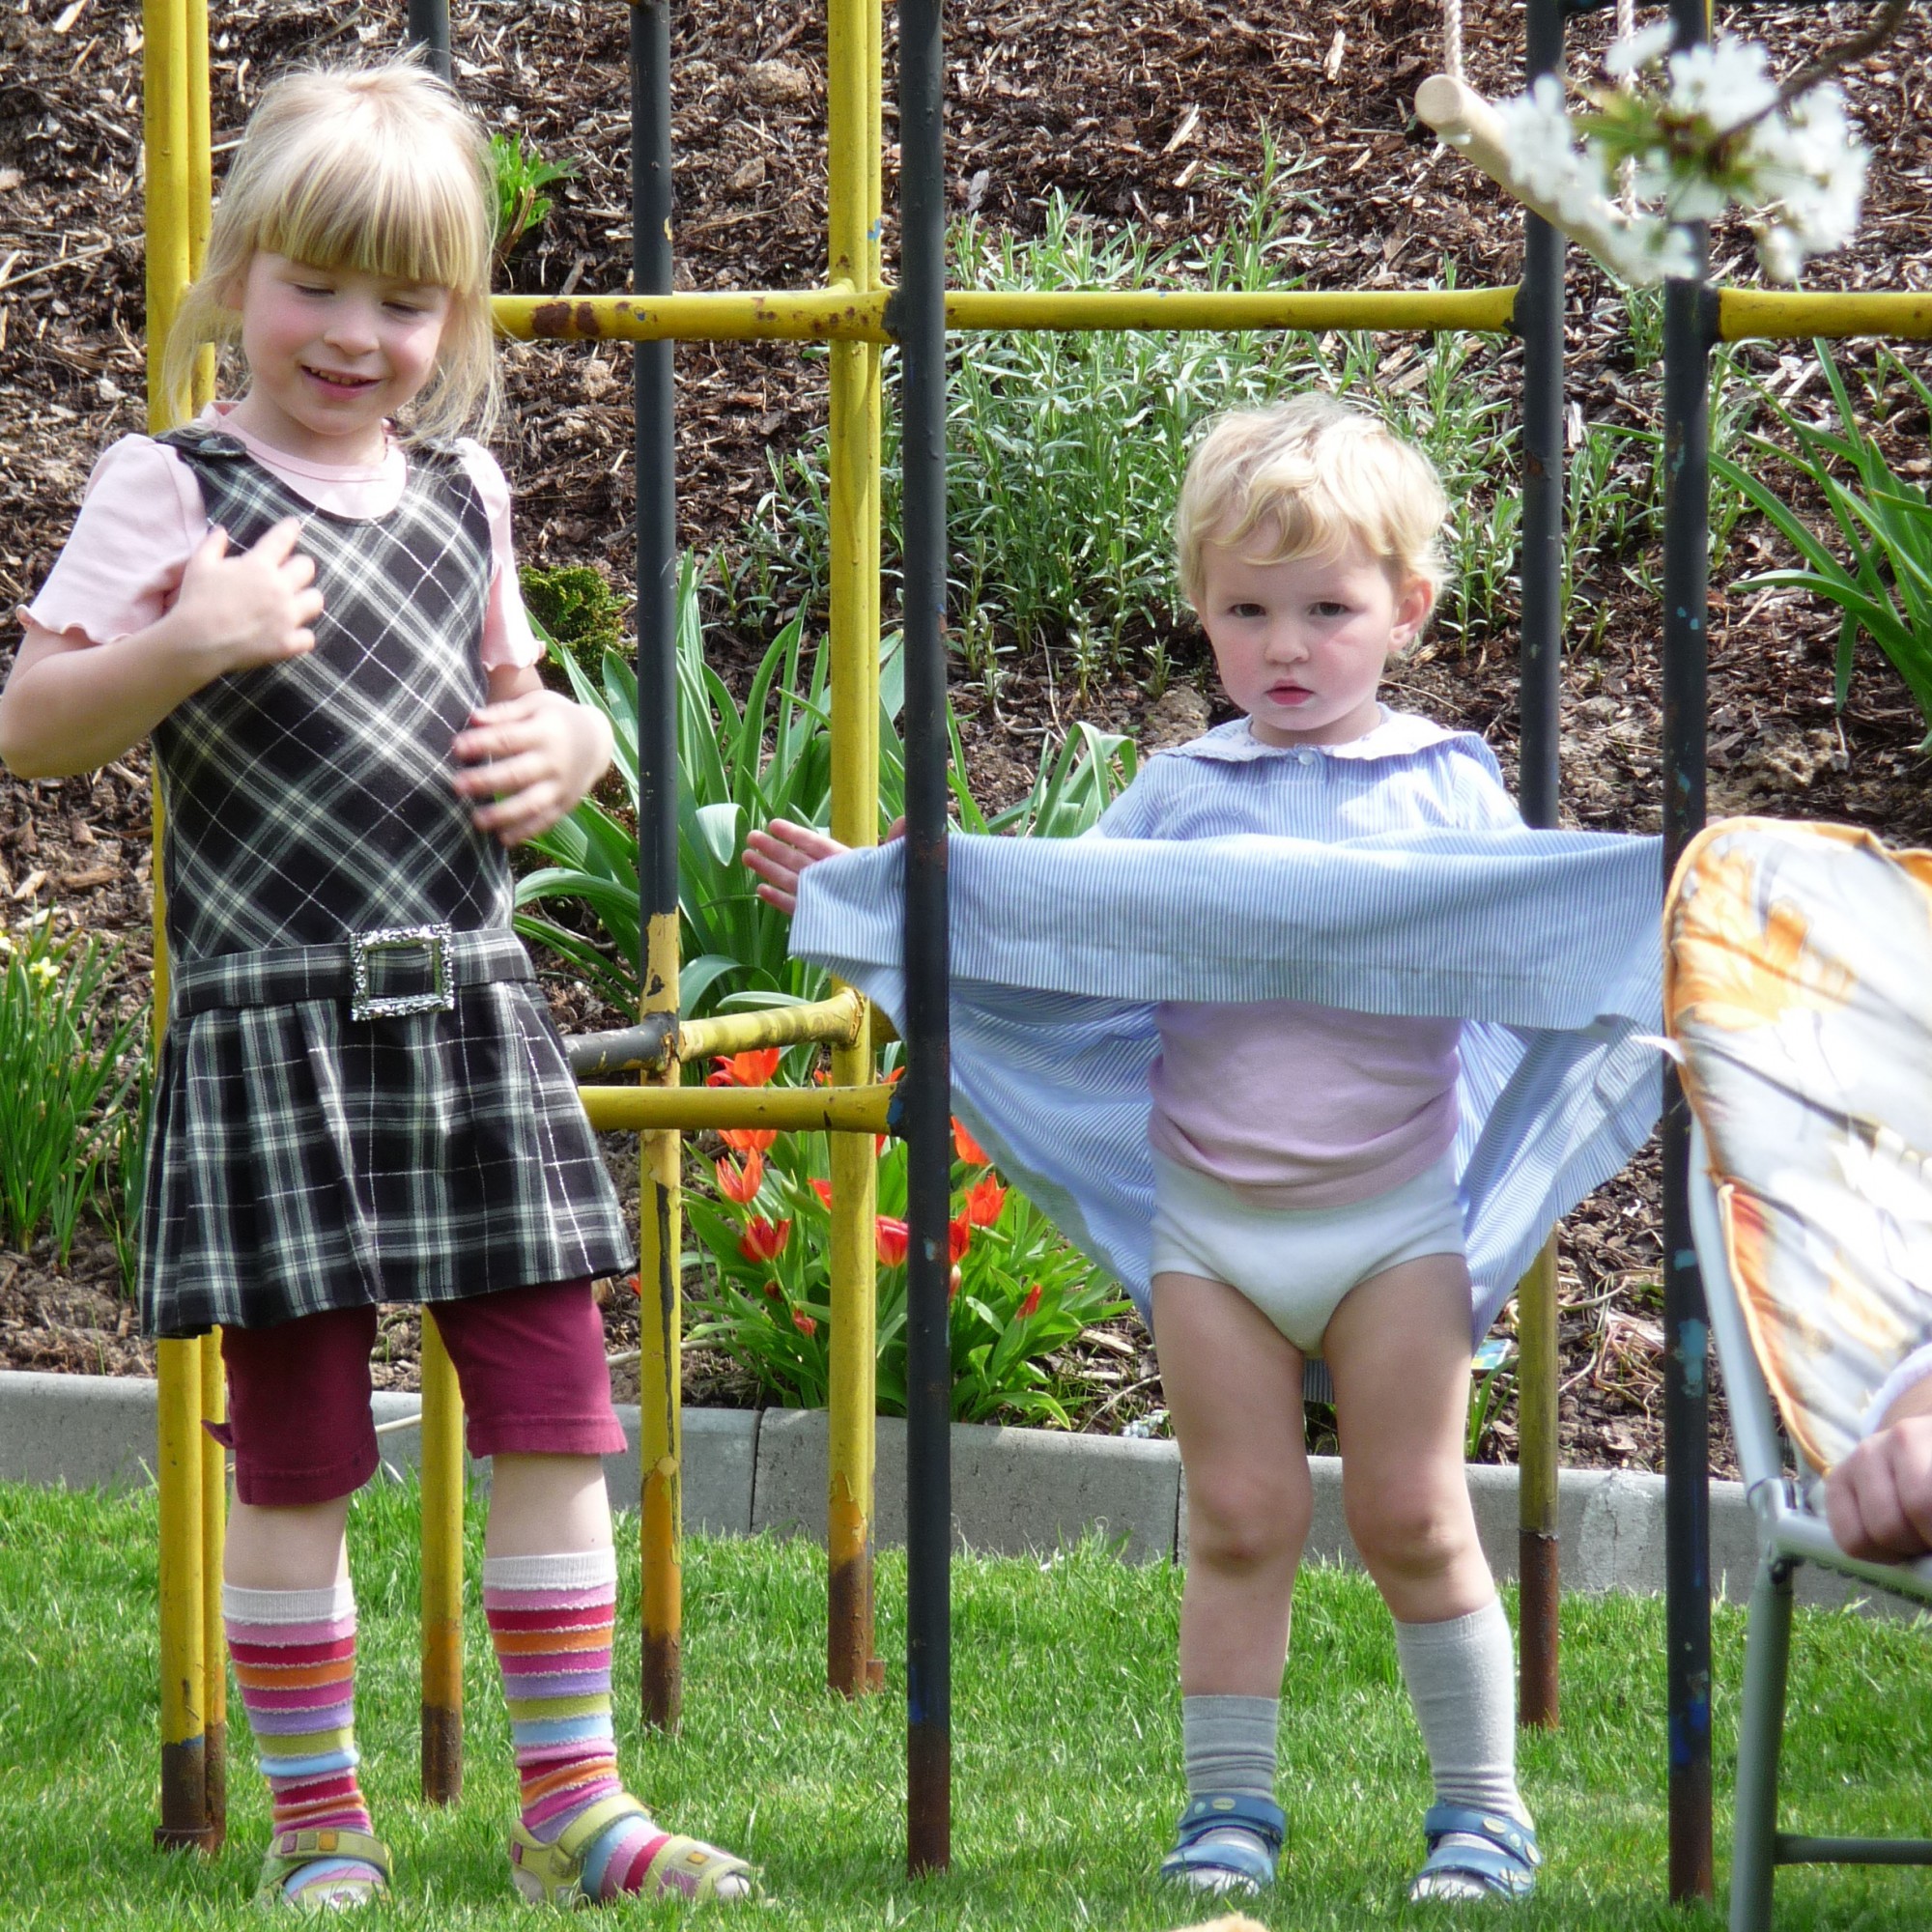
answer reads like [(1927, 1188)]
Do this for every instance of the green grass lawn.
[(1066, 1773)]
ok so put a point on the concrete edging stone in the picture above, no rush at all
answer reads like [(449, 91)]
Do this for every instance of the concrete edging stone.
[(1016, 1491)]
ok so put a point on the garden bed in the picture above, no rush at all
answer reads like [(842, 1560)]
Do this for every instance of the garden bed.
[(1153, 121)]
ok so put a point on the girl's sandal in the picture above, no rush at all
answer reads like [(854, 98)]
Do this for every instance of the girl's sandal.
[(292, 1852), (1476, 1855), (1212, 1862), (679, 1867)]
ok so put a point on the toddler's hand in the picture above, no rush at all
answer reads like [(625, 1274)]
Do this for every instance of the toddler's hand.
[(780, 853), (543, 753), (249, 609)]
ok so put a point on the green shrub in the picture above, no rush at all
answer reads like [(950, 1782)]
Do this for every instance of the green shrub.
[(519, 176), (67, 1077), (575, 610), (1879, 574)]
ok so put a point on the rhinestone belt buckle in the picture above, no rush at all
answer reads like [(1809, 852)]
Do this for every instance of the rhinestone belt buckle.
[(440, 999)]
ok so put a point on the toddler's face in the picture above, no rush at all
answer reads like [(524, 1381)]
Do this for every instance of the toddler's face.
[(1300, 645)]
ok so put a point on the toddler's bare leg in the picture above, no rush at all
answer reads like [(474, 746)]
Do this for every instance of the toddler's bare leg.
[(1398, 1348), (1232, 1383)]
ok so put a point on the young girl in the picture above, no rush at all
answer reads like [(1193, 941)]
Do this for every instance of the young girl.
[(361, 1097), (1304, 1182)]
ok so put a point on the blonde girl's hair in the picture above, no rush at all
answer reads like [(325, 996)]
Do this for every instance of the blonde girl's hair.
[(377, 169), (1305, 478)]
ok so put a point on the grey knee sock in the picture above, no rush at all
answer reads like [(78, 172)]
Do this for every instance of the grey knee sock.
[(1228, 1745), (1462, 1679)]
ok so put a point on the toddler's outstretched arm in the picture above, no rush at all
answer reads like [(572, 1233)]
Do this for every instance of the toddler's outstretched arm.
[(780, 853)]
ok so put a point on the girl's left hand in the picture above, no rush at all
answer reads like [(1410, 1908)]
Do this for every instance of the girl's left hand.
[(534, 755)]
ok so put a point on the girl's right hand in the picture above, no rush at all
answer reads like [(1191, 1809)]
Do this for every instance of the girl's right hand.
[(249, 609)]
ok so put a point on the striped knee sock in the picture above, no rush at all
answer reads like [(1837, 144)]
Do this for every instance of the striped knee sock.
[(549, 1619), (295, 1660)]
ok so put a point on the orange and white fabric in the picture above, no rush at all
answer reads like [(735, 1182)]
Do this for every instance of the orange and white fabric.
[(1798, 984)]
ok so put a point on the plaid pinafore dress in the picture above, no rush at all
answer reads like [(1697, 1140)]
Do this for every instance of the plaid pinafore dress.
[(361, 1097)]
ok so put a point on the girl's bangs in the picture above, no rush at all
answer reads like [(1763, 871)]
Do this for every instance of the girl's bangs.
[(382, 214)]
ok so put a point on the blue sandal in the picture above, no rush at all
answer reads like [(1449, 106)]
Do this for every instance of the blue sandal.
[(1226, 1863), (1493, 1856)]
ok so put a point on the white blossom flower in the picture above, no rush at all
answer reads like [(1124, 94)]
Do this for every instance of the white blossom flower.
[(1639, 50), (1711, 136), (1725, 81)]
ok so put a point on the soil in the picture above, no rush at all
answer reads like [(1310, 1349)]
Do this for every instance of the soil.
[(1151, 115)]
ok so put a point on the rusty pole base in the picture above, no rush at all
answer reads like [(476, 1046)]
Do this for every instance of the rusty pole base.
[(662, 1685), (184, 1822), (1537, 1702), (189, 1839), (441, 1755)]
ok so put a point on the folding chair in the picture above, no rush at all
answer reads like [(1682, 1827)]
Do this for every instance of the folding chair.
[(1798, 991)]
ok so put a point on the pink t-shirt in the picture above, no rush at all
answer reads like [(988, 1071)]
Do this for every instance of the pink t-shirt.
[(142, 517), (1301, 1106)]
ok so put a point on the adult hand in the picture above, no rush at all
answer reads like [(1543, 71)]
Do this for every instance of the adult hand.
[(1878, 1500), (534, 755), (249, 607)]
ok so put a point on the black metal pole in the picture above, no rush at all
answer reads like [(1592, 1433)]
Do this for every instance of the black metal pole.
[(1688, 334), (1539, 322), (919, 323), (429, 28), (654, 460)]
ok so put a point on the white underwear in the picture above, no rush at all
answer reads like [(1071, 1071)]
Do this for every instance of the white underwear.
[(1295, 1265)]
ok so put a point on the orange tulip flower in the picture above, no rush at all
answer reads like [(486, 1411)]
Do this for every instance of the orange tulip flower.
[(803, 1322), (986, 1200), (823, 1189), (745, 1070), (741, 1183), (748, 1140), (891, 1238), (1031, 1305), (958, 1239), (967, 1148), (762, 1241)]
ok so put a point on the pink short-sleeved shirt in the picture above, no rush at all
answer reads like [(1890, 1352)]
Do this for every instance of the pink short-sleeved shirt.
[(142, 518)]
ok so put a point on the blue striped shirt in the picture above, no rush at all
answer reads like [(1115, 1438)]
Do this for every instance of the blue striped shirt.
[(1391, 875)]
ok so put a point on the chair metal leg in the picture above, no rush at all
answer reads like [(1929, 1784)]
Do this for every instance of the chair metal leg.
[(1760, 1736)]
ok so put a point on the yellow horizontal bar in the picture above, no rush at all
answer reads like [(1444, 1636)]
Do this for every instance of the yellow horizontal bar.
[(759, 315), (850, 1110), (1779, 315), (1267, 308), (835, 1019), (837, 315)]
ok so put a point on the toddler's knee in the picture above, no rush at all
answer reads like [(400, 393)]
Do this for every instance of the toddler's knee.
[(1412, 1536), (1244, 1523)]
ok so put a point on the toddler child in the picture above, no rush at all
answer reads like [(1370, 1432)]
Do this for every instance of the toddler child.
[(360, 1097), (1306, 1199)]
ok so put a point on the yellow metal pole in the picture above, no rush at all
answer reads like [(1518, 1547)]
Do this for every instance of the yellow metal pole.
[(183, 1740), (845, 314), (178, 1363), (165, 158), (791, 1110), (835, 1020), (214, 1399), (1780, 313), (852, 85), (198, 186), (441, 1571), (661, 1329), (199, 178), (1536, 1377)]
